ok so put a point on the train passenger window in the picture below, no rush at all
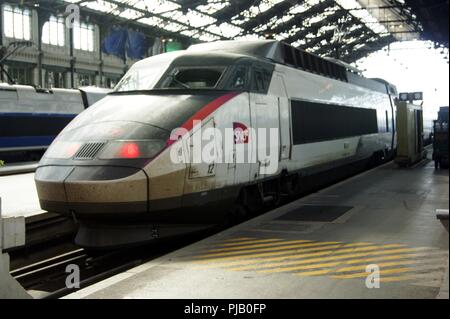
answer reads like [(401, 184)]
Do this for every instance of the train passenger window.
[(193, 78)]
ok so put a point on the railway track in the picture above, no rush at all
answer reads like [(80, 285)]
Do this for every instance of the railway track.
[(46, 278), (41, 266)]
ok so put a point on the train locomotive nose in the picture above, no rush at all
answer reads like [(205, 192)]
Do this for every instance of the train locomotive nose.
[(89, 194), (94, 172)]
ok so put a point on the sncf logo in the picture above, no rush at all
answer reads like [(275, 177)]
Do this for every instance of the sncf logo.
[(241, 133)]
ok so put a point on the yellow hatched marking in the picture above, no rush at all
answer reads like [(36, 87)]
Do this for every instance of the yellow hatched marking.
[(243, 247), (297, 253), (238, 239), (252, 241), (389, 264), (327, 271), (261, 250), (433, 278), (339, 257), (396, 278), (419, 277), (381, 258), (323, 265), (389, 272), (318, 252), (314, 273), (314, 266), (365, 274)]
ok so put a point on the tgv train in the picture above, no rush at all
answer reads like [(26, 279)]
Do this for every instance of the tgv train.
[(31, 118), (113, 170)]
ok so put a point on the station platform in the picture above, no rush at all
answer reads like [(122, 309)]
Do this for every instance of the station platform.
[(330, 244), (18, 168), (19, 195)]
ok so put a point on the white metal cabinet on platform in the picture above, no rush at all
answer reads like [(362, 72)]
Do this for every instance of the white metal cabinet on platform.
[(12, 234)]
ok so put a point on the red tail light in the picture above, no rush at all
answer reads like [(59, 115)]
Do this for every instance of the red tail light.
[(130, 150)]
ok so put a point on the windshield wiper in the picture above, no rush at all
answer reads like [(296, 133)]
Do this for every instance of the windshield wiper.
[(173, 78)]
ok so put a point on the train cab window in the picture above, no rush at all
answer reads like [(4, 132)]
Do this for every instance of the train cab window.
[(261, 78), (239, 79), (193, 78), (258, 81)]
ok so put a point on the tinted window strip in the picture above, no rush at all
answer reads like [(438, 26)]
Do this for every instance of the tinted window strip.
[(315, 122)]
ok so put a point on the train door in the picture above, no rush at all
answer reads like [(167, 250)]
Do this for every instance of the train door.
[(264, 111), (238, 166), (278, 88), (201, 172)]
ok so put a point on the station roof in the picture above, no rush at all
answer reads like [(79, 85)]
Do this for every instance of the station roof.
[(344, 29)]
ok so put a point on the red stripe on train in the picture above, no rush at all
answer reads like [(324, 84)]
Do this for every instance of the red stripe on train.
[(203, 113)]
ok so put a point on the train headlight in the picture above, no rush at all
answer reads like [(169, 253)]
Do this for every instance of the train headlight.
[(63, 149), (132, 149)]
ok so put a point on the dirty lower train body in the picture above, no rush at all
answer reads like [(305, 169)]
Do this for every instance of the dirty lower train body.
[(112, 168)]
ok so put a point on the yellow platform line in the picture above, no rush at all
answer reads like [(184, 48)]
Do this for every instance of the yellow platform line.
[(270, 249), (350, 260), (388, 272), (296, 254), (243, 247)]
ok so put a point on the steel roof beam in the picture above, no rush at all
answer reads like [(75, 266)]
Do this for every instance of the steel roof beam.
[(315, 27), (277, 10), (369, 47), (234, 8), (357, 33), (298, 19), (328, 35)]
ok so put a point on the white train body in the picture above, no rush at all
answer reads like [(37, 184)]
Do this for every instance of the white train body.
[(112, 167)]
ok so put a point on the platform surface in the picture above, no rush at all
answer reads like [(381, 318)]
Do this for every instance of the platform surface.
[(19, 196), (317, 247)]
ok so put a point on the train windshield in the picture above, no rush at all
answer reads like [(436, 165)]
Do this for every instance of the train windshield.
[(197, 77), (140, 79), (146, 74)]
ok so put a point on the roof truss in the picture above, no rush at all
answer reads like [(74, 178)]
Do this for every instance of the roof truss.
[(345, 29)]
